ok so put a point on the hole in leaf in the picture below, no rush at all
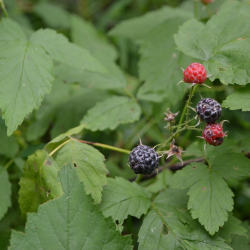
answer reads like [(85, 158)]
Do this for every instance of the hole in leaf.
[(164, 229), (194, 167), (75, 166)]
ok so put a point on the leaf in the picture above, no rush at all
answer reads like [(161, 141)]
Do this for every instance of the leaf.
[(89, 166), (230, 228), (26, 74), (38, 183), (85, 35), (61, 50), (5, 192), (137, 28), (53, 15), (210, 197), (160, 64), (70, 221), (8, 145), (122, 198), (223, 43), (239, 100), (112, 112), (169, 226)]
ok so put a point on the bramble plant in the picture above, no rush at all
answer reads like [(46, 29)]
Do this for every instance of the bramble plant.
[(95, 155)]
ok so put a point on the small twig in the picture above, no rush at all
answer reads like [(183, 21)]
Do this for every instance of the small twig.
[(2, 6)]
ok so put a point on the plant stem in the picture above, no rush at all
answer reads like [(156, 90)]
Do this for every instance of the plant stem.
[(138, 178), (2, 6), (60, 146), (8, 164), (196, 9), (184, 123), (105, 146)]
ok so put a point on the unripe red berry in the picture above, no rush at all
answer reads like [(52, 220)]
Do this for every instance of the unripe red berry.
[(213, 134), (195, 73)]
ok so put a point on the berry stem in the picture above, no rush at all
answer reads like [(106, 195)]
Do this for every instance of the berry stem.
[(138, 178), (105, 146), (2, 6), (177, 126)]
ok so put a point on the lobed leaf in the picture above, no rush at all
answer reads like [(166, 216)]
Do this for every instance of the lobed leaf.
[(5, 192), (223, 43), (210, 197), (122, 198), (112, 112), (79, 223), (89, 165), (38, 183)]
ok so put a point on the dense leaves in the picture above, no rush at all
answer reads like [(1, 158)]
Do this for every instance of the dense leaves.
[(79, 223)]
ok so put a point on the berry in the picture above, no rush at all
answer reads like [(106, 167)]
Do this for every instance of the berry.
[(206, 1), (208, 110), (195, 73), (213, 134), (143, 160)]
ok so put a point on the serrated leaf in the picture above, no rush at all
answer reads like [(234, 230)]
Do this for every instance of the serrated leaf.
[(160, 64), (112, 112), (79, 223), (53, 15), (122, 198), (223, 43), (137, 28), (169, 226), (5, 192), (89, 166), (210, 198), (61, 50), (26, 74), (230, 228), (239, 100), (8, 145), (38, 183)]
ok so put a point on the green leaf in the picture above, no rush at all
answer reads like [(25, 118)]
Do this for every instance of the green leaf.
[(122, 198), (137, 28), (61, 50), (5, 192), (112, 112), (85, 35), (239, 100), (169, 226), (223, 43), (53, 15), (70, 221), (26, 74), (231, 227), (38, 183), (210, 197), (89, 166), (8, 145), (160, 64)]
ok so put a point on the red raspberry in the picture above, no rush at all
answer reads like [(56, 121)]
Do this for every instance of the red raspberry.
[(195, 73), (206, 1), (213, 134)]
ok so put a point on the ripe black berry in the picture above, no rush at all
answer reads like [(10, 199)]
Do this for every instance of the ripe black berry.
[(143, 160), (208, 110)]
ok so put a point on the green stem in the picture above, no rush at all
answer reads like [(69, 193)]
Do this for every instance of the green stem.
[(177, 126), (105, 146), (138, 178), (8, 164), (2, 6), (196, 9), (60, 146)]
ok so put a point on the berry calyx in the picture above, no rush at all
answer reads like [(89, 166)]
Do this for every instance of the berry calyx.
[(195, 73), (206, 2), (209, 110), (213, 134), (143, 160)]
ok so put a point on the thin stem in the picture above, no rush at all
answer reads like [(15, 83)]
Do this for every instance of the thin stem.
[(8, 164), (192, 128), (105, 146), (138, 178), (2, 6), (196, 9), (60, 146), (173, 127)]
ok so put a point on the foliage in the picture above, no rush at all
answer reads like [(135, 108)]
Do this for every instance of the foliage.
[(78, 81)]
